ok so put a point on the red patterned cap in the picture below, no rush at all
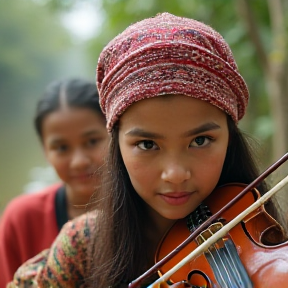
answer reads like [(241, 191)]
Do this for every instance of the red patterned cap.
[(167, 54)]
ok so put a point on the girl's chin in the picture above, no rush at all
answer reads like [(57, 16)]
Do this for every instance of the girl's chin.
[(174, 216), (85, 190)]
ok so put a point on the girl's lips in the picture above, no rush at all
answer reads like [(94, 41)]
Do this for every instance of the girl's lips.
[(177, 198), (83, 177)]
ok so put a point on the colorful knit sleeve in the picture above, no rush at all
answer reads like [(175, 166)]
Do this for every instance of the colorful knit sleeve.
[(64, 264), (27, 273)]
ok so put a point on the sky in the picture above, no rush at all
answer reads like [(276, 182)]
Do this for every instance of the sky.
[(84, 21)]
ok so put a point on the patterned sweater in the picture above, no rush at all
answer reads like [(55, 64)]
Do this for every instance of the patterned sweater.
[(64, 264), (28, 225)]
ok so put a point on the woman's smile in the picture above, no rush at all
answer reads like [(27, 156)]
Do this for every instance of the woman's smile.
[(82, 177)]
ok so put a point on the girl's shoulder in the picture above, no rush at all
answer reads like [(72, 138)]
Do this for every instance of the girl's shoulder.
[(78, 229), (27, 211), (26, 206), (75, 235), (65, 263)]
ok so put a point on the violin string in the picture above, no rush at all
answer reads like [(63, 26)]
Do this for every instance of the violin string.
[(233, 263), (239, 270), (232, 270), (229, 262), (222, 232), (215, 268), (225, 269), (224, 261), (230, 277)]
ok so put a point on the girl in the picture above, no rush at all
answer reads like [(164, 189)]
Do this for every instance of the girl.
[(71, 128), (172, 96)]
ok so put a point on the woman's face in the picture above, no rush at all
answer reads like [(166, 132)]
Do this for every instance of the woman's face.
[(173, 148), (75, 143)]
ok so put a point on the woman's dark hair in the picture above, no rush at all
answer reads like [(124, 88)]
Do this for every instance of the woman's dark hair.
[(75, 92), (119, 252), (240, 165)]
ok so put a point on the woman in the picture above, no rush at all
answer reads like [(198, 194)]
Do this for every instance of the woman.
[(71, 128)]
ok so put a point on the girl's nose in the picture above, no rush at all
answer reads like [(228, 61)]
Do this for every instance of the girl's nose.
[(79, 160), (175, 173)]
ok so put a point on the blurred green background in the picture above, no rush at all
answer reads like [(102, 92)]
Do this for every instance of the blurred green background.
[(43, 40)]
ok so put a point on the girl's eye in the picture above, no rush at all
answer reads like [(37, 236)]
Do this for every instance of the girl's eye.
[(200, 141), (147, 145), (92, 142), (61, 148)]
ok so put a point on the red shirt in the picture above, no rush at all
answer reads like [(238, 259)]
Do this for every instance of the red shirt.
[(28, 226)]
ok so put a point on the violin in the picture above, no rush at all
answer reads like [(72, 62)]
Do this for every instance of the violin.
[(247, 254), (239, 246)]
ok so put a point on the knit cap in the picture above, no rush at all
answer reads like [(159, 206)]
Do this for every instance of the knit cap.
[(166, 55)]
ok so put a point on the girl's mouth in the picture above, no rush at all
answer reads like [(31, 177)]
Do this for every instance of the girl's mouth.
[(83, 177), (176, 198)]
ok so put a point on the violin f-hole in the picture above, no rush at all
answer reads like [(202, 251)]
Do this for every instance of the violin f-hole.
[(199, 279)]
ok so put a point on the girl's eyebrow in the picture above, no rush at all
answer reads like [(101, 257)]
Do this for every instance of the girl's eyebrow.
[(94, 132), (138, 132), (202, 128)]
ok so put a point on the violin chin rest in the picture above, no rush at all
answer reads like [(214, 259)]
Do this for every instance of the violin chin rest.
[(273, 235)]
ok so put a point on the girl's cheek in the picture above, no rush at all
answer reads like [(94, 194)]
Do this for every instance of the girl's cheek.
[(138, 171), (133, 166)]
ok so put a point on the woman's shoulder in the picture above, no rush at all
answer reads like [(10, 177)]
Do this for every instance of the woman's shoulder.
[(25, 202), (65, 263), (29, 207)]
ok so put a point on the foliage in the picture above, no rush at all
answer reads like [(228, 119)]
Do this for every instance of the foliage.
[(33, 44), (222, 15), (31, 51), (30, 42)]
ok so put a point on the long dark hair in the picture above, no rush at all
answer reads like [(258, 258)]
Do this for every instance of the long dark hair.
[(118, 250), (76, 93)]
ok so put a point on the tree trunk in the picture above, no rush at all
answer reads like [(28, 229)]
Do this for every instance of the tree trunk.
[(275, 67)]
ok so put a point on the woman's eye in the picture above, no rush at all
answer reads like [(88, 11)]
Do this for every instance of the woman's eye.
[(92, 142), (200, 141), (147, 145), (61, 148)]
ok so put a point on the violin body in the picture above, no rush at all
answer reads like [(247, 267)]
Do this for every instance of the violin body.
[(255, 242)]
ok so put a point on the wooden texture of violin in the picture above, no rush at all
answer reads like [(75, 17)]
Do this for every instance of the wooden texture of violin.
[(256, 240), (182, 284)]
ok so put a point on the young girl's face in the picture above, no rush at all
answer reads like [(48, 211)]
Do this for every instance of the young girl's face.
[(75, 142), (173, 148)]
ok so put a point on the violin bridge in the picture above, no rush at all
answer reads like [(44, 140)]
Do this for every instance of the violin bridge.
[(224, 260), (206, 234)]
